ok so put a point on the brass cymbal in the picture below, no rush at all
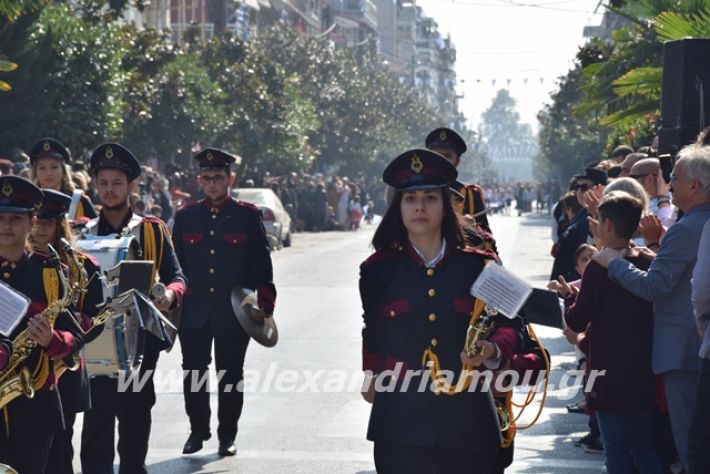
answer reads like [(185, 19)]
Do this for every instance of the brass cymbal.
[(260, 326)]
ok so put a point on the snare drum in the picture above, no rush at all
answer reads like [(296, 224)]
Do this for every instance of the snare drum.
[(118, 347), (120, 344)]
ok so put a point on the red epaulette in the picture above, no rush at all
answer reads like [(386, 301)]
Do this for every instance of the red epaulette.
[(247, 205), (379, 256), (486, 253), (188, 205)]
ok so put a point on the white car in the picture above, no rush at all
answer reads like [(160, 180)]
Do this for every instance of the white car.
[(277, 222)]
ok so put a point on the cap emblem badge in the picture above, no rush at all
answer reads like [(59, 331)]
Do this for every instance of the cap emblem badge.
[(416, 164), (46, 146), (109, 152), (7, 189)]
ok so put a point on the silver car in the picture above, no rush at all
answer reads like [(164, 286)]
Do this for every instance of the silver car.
[(276, 220)]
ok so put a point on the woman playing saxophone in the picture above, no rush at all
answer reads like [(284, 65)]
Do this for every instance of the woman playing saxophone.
[(50, 228), (48, 330)]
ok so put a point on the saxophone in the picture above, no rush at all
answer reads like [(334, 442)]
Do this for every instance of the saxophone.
[(16, 379)]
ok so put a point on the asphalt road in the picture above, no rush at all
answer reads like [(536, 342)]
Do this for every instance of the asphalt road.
[(303, 412)]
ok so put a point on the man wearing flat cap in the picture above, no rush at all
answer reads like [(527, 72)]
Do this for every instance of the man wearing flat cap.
[(221, 244), (115, 170), (451, 146)]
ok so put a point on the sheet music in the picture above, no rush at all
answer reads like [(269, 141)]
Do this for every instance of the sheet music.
[(13, 306), (501, 289)]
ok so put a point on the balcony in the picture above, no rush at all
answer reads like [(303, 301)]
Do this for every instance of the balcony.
[(362, 11)]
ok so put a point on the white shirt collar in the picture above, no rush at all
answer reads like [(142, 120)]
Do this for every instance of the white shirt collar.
[(434, 261)]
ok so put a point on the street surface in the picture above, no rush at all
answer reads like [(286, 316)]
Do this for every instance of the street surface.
[(303, 422)]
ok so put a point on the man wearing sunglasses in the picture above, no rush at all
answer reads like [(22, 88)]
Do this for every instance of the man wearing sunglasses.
[(220, 243), (648, 173)]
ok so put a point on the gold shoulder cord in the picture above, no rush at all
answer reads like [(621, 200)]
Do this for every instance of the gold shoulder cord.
[(530, 397)]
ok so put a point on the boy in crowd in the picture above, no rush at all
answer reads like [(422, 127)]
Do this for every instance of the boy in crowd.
[(619, 338)]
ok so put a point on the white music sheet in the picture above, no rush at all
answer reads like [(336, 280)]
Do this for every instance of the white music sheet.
[(501, 289), (13, 306)]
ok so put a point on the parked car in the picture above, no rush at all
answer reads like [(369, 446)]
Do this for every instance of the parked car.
[(276, 220)]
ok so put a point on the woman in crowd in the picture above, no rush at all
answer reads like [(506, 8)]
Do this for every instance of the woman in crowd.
[(417, 307)]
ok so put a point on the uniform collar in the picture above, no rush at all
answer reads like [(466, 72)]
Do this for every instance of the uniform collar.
[(418, 256), (208, 204)]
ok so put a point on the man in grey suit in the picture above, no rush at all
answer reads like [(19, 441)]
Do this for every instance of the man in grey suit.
[(667, 284)]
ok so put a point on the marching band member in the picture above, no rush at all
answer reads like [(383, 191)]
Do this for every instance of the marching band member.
[(50, 162), (51, 226), (28, 424), (451, 146), (115, 170), (417, 308), (221, 243)]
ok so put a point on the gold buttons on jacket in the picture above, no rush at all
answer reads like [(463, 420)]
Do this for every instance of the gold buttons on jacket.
[(211, 232), (432, 317), (431, 292), (392, 313), (6, 275), (429, 272), (434, 342)]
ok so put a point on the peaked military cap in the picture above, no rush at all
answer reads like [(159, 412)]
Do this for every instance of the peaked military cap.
[(54, 204), (214, 158), (445, 138), (115, 156), (49, 148), (595, 175), (19, 195), (419, 169)]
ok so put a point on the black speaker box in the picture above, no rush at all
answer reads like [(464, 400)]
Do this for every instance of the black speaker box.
[(685, 92)]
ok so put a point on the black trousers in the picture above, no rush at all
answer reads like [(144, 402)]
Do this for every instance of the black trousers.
[(398, 459), (230, 350), (699, 444), (132, 409), (61, 454), (26, 455)]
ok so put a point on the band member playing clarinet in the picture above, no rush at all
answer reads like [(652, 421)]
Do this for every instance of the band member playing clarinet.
[(417, 310), (50, 227), (27, 424), (115, 170), (221, 243)]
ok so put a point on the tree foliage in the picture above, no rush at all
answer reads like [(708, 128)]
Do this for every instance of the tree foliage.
[(282, 101)]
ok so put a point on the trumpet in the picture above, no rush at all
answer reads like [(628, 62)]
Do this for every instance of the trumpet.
[(16, 379)]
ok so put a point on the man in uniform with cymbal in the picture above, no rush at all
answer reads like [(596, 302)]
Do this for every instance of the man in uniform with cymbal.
[(221, 244)]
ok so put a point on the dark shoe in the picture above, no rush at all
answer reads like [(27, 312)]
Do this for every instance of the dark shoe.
[(593, 446), (227, 448), (586, 439), (194, 443)]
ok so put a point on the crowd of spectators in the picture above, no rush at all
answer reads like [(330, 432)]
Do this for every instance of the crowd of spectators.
[(640, 308)]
